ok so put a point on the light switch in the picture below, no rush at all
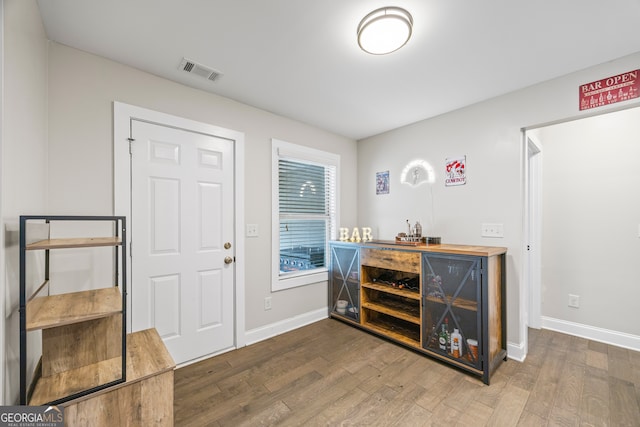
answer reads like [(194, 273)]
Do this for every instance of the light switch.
[(252, 230), (492, 230)]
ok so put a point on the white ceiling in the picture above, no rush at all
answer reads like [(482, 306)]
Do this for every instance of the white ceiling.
[(300, 58)]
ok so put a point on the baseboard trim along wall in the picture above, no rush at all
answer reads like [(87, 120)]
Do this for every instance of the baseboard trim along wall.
[(606, 336), (516, 351), (265, 332)]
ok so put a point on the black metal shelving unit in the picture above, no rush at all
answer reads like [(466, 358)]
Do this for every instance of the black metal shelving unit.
[(116, 240)]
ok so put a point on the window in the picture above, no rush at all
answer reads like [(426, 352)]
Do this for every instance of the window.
[(304, 184)]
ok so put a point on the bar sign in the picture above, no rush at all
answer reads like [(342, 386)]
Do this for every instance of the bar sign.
[(622, 87)]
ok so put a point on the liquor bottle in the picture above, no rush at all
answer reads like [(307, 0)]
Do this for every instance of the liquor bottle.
[(446, 321), (442, 338), (456, 343), (433, 337)]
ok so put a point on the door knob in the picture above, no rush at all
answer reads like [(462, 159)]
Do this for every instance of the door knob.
[(227, 245), (228, 260)]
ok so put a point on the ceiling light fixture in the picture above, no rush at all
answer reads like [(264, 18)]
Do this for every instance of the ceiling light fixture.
[(385, 30)]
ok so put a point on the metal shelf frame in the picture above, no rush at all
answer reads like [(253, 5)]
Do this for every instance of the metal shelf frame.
[(120, 279)]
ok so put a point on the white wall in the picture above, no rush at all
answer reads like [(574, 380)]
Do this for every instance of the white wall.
[(591, 221), (489, 134), (24, 157), (82, 88)]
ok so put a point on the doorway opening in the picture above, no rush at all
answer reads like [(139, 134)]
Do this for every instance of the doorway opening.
[(582, 227)]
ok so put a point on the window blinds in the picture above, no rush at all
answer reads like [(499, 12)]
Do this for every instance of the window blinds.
[(307, 213)]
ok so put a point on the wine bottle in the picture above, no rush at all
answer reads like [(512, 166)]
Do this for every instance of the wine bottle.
[(442, 338)]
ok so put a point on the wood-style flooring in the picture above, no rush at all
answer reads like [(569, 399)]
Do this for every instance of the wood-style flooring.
[(331, 374)]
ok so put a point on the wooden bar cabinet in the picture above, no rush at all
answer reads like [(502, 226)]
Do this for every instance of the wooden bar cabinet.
[(444, 301)]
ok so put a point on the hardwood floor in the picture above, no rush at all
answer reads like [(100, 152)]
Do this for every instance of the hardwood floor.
[(329, 374)]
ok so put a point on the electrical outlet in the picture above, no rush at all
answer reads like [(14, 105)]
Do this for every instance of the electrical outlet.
[(252, 230), (574, 301), (267, 303), (492, 230)]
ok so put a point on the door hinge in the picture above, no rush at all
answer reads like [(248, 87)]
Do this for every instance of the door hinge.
[(130, 141), (130, 249)]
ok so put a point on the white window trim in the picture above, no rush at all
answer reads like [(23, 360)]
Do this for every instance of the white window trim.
[(282, 149)]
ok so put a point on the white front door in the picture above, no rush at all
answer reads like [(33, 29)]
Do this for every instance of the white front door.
[(182, 214)]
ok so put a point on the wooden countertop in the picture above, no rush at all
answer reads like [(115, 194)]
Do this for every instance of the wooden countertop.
[(441, 248)]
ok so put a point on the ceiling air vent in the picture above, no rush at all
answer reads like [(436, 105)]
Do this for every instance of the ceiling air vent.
[(199, 70)]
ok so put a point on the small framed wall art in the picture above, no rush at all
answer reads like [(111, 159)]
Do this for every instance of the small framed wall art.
[(382, 182), (455, 171)]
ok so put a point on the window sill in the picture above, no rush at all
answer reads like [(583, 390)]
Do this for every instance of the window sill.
[(280, 284)]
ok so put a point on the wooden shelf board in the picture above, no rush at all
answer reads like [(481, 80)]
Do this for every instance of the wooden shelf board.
[(462, 303), (84, 242), (75, 307), (58, 386), (391, 290), (392, 334), (380, 308), (146, 356), (403, 305)]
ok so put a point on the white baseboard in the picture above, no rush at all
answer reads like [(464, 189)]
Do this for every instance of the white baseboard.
[(264, 332), (516, 351), (620, 339)]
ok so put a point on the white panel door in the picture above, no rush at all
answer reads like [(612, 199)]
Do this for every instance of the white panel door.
[(182, 231)]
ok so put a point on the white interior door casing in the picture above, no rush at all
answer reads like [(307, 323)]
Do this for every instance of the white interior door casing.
[(533, 215), (186, 291)]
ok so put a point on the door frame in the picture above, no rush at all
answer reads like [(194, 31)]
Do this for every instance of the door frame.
[(122, 116), (529, 300), (533, 232)]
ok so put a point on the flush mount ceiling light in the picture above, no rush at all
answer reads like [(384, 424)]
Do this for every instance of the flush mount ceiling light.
[(385, 30)]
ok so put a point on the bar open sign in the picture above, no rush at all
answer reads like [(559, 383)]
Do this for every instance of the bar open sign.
[(622, 87)]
